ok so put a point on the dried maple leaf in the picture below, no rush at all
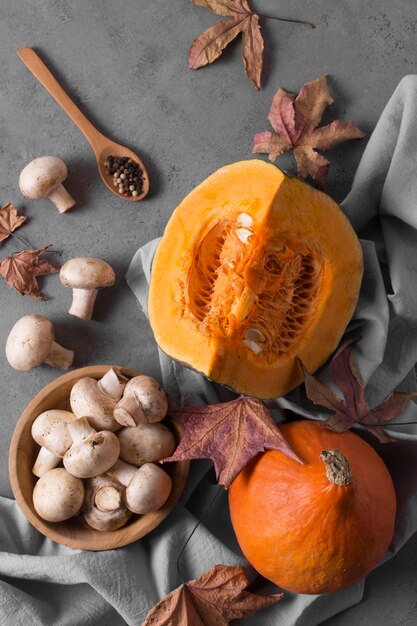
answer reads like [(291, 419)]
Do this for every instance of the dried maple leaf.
[(295, 120), (209, 45), (213, 599), (352, 408), (9, 220), (21, 270), (228, 433)]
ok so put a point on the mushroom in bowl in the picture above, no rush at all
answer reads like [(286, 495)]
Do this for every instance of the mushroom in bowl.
[(76, 532)]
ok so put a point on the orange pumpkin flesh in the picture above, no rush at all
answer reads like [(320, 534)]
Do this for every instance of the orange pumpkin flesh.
[(255, 270), (302, 531)]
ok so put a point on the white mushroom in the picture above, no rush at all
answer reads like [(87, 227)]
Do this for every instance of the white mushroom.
[(113, 383), (146, 443), (97, 399), (148, 490), (85, 275), (43, 177), (31, 342), (104, 505), (143, 400), (57, 495), (92, 453), (122, 472), (147, 487), (50, 431)]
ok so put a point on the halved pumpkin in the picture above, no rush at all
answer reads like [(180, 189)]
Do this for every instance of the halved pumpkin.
[(255, 270)]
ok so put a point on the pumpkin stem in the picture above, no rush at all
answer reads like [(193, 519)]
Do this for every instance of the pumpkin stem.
[(338, 469)]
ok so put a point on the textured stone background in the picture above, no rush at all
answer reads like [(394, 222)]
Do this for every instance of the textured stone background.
[(125, 63)]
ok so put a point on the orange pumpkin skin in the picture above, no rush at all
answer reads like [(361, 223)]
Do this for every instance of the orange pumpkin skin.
[(303, 532), (255, 271)]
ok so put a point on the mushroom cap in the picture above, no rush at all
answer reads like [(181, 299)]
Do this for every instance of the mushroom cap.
[(29, 342), (148, 490), (88, 400), (150, 395), (57, 495), (50, 430), (87, 273), (41, 176), (145, 443), (93, 456)]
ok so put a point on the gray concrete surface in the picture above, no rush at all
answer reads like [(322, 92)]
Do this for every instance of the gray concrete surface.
[(125, 62)]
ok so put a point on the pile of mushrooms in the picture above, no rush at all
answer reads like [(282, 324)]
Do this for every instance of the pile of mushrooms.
[(100, 459)]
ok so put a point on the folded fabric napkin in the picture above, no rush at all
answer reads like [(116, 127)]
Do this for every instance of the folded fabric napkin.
[(45, 583)]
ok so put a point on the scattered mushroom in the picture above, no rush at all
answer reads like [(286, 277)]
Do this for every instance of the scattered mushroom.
[(50, 431), (31, 342), (104, 503), (85, 275), (57, 495), (143, 400), (146, 443), (97, 399), (44, 177), (92, 453), (147, 487)]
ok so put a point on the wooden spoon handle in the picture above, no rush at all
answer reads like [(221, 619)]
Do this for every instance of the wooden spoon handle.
[(38, 68)]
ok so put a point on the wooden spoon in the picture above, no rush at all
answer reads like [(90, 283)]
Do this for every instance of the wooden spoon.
[(102, 146)]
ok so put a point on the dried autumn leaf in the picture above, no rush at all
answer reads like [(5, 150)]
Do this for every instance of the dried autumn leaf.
[(213, 599), (228, 433), (295, 120), (209, 45), (9, 220), (21, 270), (352, 408)]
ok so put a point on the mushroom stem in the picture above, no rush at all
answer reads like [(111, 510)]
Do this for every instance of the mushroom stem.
[(108, 498), (122, 471), (128, 411), (104, 505), (143, 400), (59, 356), (83, 303), (45, 461), (80, 430), (113, 384), (61, 198)]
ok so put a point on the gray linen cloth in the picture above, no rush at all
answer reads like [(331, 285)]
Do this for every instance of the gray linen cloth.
[(45, 583)]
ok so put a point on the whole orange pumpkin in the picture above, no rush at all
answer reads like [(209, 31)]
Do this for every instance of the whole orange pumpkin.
[(319, 526)]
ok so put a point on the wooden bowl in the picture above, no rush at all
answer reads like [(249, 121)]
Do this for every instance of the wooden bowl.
[(74, 532)]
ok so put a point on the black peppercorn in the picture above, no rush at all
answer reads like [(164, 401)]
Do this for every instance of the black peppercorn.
[(126, 174)]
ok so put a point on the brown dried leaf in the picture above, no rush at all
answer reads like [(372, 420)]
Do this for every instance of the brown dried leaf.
[(9, 220), (228, 433), (223, 7), (252, 50), (352, 407), (295, 120), (213, 599), (209, 45), (21, 270)]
